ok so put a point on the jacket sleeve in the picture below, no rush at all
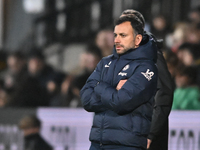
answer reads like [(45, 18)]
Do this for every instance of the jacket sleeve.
[(90, 101), (136, 91), (163, 99)]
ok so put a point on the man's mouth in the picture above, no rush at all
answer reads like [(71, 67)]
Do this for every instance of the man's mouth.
[(118, 46)]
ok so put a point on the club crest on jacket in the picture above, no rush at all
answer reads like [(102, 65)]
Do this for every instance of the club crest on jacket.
[(125, 68)]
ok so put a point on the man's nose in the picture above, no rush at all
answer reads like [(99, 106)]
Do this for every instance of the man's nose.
[(117, 39)]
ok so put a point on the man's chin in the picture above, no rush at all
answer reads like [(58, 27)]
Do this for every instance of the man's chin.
[(120, 51)]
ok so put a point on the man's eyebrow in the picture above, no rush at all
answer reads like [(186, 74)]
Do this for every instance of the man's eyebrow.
[(119, 33), (122, 33)]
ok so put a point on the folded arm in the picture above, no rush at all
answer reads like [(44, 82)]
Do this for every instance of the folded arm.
[(90, 100), (134, 92)]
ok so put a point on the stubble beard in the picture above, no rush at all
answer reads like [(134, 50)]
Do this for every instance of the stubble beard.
[(123, 50)]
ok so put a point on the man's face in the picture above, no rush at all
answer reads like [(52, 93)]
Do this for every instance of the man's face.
[(15, 65), (35, 65), (124, 37)]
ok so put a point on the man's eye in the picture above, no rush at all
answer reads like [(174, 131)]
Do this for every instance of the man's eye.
[(123, 35)]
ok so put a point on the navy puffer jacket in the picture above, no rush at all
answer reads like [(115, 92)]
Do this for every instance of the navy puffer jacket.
[(122, 117)]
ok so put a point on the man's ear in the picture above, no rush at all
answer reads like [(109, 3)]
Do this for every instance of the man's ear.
[(138, 39)]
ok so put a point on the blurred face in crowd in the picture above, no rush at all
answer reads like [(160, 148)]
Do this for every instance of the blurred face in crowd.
[(193, 35), (178, 36), (104, 40), (185, 57), (91, 62), (14, 64), (159, 23), (125, 37), (181, 80), (88, 61), (51, 86), (35, 65), (194, 16)]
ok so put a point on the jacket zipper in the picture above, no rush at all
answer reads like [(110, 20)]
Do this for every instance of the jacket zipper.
[(114, 71), (103, 117)]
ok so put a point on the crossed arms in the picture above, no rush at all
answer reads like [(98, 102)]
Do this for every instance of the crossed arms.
[(98, 96)]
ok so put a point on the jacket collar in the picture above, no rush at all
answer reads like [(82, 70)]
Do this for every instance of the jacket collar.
[(146, 50)]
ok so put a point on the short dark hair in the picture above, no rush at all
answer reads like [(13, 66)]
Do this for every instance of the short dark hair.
[(29, 121), (135, 23), (190, 72), (193, 49), (94, 50), (36, 53), (136, 13), (17, 54)]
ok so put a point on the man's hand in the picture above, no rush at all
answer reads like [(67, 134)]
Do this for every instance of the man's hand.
[(148, 143), (120, 84)]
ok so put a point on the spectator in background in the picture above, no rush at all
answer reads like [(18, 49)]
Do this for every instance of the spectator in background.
[(178, 36), (194, 16), (89, 59), (189, 55), (22, 89), (104, 41), (172, 62), (193, 34), (62, 96), (3, 64), (38, 69), (160, 27), (3, 95), (53, 89), (187, 93), (16, 70), (3, 98), (49, 80), (30, 125), (72, 84), (77, 83)]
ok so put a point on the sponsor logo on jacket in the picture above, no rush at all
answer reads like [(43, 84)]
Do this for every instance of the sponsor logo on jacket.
[(122, 74), (108, 65)]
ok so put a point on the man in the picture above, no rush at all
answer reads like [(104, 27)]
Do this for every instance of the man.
[(30, 125), (158, 137), (121, 90), (23, 90)]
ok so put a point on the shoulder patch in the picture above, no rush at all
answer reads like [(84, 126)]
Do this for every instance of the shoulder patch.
[(148, 75)]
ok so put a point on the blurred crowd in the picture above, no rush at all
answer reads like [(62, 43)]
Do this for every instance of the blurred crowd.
[(26, 80)]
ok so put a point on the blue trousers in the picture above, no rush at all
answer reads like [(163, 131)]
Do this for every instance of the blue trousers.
[(96, 146)]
